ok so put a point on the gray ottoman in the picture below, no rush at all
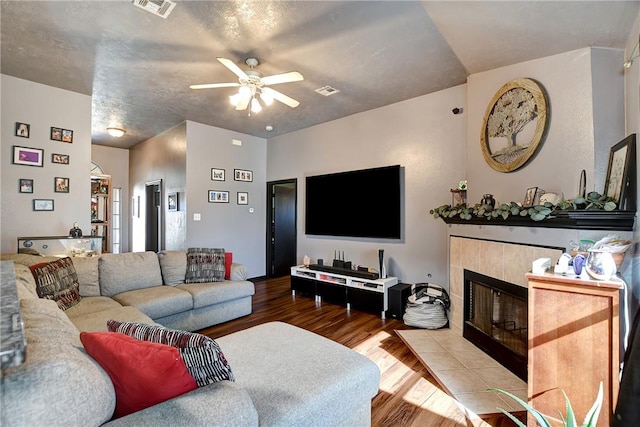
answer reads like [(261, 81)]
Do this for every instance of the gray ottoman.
[(297, 378)]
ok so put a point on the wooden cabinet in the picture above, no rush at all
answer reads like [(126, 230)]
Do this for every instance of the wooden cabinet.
[(573, 344), (101, 209)]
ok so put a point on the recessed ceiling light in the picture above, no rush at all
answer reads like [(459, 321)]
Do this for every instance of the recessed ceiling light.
[(116, 132), (269, 128), (327, 90)]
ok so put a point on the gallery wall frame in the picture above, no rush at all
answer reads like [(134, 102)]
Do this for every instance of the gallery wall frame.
[(620, 183), (172, 202), (27, 156), (25, 185), (55, 134), (23, 129), (62, 159), (217, 196), (43, 205), (60, 184), (243, 198), (217, 174), (242, 175)]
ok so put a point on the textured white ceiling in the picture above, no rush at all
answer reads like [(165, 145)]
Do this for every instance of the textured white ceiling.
[(138, 67)]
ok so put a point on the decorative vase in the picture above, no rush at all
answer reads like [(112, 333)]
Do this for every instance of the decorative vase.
[(600, 265), (488, 199)]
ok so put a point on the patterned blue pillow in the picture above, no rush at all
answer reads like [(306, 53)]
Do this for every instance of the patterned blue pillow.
[(201, 354), (204, 265)]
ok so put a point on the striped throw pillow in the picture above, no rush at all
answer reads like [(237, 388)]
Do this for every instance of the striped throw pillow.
[(204, 265), (58, 281), (201, 354)]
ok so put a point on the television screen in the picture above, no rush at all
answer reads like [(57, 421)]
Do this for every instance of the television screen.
[(361, 203)]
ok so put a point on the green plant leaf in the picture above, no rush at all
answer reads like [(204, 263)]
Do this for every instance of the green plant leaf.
[(591, 418), (512, 418), (571, 418), (609, 206), (540, 419)]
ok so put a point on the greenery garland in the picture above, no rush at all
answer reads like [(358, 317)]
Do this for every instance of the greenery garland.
[(593, 201)]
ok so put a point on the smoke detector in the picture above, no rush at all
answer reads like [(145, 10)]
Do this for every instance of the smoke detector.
[(327, 90), (161, 8)]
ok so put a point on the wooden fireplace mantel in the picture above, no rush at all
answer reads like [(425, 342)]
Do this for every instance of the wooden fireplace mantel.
[(573, 343), (579, 219)]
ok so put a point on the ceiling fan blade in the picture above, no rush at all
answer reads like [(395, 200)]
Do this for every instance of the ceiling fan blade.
[(233, 68), (292, 76), (243, 103), (281, 97), (214, 85)]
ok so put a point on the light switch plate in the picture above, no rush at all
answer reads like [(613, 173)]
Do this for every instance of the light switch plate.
[(196, 217)]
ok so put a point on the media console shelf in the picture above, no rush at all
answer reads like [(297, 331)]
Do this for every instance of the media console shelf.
[(348, 291)]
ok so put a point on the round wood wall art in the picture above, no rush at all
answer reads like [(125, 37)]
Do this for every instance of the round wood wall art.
[(514, 125)]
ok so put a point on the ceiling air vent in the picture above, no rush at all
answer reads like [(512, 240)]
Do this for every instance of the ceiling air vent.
[(327, 90), (161, 8)]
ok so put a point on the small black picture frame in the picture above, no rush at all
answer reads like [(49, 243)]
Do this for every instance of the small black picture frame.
[(243, 198), (28, 156), (23, 129), (242, 175), (530, 197), (216, 196), (43, 205), (60, 184), (62, 159), (25, 185), (620, 183), (67, 136), (217, 174), (55, 134), (172, 202)]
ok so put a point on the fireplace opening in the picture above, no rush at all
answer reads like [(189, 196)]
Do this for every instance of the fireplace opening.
[(495, 320)]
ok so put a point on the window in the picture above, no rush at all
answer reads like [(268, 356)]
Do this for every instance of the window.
[(116, 218)]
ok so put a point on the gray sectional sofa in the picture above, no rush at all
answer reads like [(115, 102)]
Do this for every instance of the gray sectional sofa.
[(285, 376)]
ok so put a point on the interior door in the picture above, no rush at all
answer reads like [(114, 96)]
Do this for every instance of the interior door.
[(281, 233), (153, 218)]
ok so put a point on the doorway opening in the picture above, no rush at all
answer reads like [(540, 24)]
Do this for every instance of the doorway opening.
[(153, 217), (281, 227)]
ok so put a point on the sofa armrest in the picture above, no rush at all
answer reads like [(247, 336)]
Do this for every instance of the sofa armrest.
[(239, 272), (223, 403)]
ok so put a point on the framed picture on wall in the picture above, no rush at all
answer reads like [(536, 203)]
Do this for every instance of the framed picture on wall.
[(62, 159), (25, 185), (42, 204), (530, 197), (27, 156), (172, 202), (242, 175), (217, 174), (61, 185), (23, 130), (621, 173), (243, 198), (56, 134), (67, 135), (216, 196)]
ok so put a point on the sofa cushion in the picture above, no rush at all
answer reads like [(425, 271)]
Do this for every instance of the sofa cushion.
[(57, 281), (25, 282), (205, 265), (127, 271), (173, 265), (88, 278), (206, 294), (58, 384), (143, 373), (97, 322), (239, 272), (201, 354), (326, 375), (158, 301)]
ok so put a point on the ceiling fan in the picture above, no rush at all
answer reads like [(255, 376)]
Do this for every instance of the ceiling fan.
[(252, 85)]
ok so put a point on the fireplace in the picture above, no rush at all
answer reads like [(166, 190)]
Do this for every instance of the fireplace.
[(495, 320)]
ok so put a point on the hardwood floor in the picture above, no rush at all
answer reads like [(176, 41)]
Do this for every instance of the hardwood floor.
[(408, 396)]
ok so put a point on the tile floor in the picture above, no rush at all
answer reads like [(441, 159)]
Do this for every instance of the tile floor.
[(465, 371)]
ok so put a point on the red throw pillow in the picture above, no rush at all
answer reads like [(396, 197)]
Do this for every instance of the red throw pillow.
[(228, 259), (143, 373)]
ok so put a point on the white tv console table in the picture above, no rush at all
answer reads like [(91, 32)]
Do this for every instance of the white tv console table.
[(348, 291)]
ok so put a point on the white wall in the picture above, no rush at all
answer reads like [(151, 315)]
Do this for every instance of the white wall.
[(226, 225), (570, 145), (115, 162), (43, 107), (424, 137)]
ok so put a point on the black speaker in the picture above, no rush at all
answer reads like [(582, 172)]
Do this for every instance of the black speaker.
[(398, 295)]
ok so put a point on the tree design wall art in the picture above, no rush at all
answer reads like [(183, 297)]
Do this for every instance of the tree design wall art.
[(514, 125)]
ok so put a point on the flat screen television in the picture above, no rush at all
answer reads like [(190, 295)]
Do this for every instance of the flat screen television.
[(362, 203)]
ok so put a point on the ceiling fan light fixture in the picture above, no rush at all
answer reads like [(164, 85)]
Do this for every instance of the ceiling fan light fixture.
[(267, 98), (235, 99), (244, 91), (255, 105), (116, 132)]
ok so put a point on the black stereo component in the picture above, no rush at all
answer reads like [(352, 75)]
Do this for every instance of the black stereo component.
[(398, 295), (345, 271)]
